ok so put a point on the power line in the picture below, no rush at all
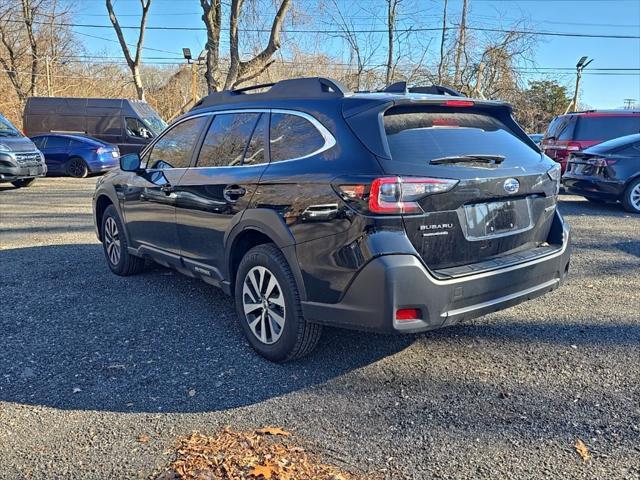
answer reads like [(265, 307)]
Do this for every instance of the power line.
[(329, 31)]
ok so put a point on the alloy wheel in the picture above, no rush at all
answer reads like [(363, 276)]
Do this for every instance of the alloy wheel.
[(634, 197), (77, 168), (112, 240), (263, 304)]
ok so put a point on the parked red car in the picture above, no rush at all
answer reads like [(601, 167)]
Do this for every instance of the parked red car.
[(575, 132)]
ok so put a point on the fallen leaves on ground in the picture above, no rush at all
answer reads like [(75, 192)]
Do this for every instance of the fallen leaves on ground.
[(582, 450), (264, 454), (273, 431)]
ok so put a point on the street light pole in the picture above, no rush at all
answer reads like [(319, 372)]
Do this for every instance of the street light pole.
[(186, 52), (581, 65)]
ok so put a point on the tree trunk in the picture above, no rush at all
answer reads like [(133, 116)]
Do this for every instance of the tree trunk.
[(391, 26), (239, 71), (132, 62), (461, 43), (442, 43), (212, 18)]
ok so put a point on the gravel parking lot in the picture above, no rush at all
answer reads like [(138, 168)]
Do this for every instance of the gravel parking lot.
[(89, 361)]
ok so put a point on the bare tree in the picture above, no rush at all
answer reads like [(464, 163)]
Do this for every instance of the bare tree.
[(362, 46), (462, 38), (132, 62), (392, 9), (239, 70), (442, 43), (19, 43)]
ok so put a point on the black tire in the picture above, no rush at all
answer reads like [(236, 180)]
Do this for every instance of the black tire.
[(77, 168), (124, 264), (298, 337), (23, 182), (631, 197)]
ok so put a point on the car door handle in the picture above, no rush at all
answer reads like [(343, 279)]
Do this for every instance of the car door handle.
[(234, 192)]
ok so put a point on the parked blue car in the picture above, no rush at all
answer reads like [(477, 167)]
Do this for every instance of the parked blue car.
[(76, 155)]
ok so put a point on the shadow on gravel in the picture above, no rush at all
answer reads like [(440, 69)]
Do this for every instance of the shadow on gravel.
[(75, 336)]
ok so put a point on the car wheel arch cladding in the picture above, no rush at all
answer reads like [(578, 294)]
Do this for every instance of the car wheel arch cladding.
[(270, 224), (104, 199)]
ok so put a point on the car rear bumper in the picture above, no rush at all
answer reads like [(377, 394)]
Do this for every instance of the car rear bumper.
[(392, 282), (592, 187)]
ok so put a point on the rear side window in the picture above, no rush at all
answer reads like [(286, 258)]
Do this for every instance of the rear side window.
[(39, 142), (606, 126), (173, 149), (227, 138), (292, 136), (419, 137), (57, 142)]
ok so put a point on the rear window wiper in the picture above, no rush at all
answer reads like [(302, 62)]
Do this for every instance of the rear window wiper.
[(468, 159)]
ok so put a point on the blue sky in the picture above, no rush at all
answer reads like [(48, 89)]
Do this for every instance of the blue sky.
[(599, 89)]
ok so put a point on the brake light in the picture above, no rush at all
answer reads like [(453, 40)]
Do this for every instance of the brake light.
[(408, 314), (573, 147), (458, 103), (600, 162), (398, 195)]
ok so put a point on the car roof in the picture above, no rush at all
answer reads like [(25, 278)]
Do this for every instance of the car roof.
[(321, 93), (79, 138), (610, 112)]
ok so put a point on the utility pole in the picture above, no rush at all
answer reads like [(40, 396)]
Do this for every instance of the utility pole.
[(47, 65), (581, 65), (628, 103)]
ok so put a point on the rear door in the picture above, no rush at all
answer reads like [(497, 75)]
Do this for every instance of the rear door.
[(56, 153), (505, 197), (219, 187)]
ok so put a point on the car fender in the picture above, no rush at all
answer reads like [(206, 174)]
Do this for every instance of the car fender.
[(271, 224)]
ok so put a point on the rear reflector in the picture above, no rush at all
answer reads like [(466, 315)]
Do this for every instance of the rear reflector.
[(408, 314), (458, 103)]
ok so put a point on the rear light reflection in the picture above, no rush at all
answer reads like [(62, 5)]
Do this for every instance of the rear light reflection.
[(408, 314)]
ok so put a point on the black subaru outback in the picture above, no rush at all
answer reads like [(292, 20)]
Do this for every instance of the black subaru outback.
[(402, 210)]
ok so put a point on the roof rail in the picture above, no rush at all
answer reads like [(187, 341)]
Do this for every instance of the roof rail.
[(310, 87), (401, 87)]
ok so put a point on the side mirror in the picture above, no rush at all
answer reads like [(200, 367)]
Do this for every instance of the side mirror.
[(130, 162)]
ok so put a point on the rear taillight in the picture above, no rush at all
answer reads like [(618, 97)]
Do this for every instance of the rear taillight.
[(599, 161), (393, 195), (573, 147), (398, 195), (408, 314)]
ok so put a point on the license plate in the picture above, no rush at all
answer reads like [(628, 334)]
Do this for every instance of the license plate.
[(485, 220), (33, 171)]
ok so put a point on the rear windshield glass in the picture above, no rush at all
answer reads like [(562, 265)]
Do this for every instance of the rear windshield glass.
[(424, 136), (616, 144), (561, 128), (606, 127)]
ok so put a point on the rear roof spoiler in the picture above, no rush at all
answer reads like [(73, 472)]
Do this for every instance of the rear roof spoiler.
[(401, 87)]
